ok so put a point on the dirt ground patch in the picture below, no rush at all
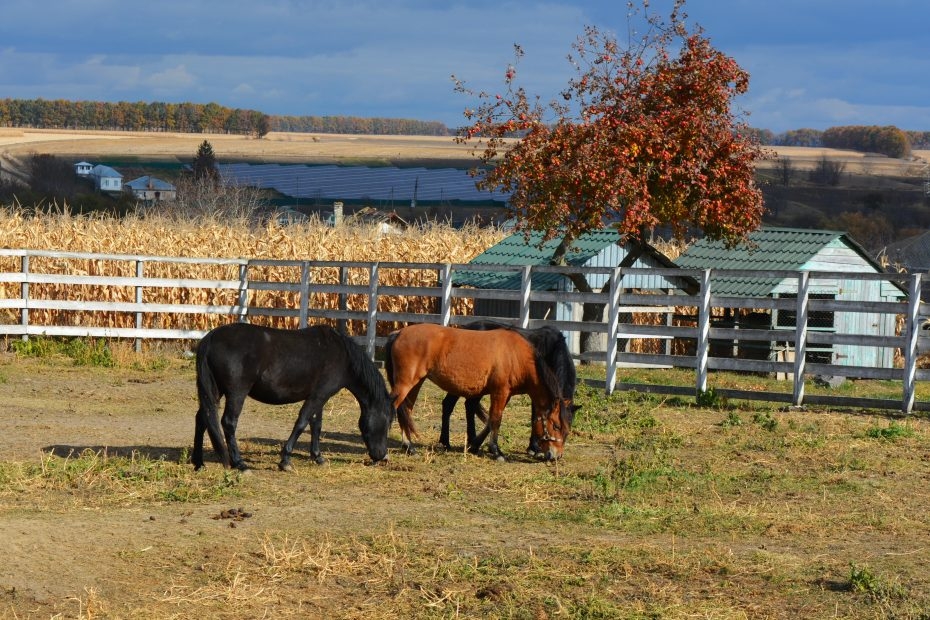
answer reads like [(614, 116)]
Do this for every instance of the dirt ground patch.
[(659, 509)]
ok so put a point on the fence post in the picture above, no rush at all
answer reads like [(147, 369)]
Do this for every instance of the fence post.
[(243, 291), (526, 287), (912, 330), (24, 293), (703, 340), (372, 310), (445, 277), (800, 337), (140, 273), (304, 293), (343, 299), (613, 321)]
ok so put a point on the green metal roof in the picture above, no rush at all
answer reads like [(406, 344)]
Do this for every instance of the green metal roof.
[(517, 250), (767, 249)]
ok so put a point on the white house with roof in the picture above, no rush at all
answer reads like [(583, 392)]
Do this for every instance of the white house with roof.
[(106, 179), (151, 189), (83, 168)]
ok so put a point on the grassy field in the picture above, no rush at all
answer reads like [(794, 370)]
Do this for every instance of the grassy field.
[(659, 509)]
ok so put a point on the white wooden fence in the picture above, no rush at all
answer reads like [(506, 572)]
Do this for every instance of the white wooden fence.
[(32, 283)]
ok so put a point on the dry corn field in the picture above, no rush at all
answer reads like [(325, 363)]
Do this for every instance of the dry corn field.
[(163, 237)]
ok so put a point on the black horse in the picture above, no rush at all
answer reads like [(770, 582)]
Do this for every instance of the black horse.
[(551, 345), (279, 366)]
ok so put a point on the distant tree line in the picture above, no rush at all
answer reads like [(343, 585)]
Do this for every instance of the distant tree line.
[(131, 116), (357, 125), (193, 118), (888, 140)]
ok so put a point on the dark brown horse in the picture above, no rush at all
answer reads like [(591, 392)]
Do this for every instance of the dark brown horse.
[(470, 364)]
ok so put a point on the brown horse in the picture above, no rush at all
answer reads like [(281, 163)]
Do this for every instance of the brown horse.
[(470, 364)]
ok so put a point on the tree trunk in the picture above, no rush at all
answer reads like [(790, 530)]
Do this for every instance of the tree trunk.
[(593, 312)]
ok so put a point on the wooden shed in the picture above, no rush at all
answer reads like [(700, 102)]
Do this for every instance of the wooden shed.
[(600, 248), (789, 249)]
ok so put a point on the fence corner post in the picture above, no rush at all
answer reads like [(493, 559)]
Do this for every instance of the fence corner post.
[(912, 331), (372, 332), (526, 289), (613, 321), (703, 335), (800, 337), (445, 278)]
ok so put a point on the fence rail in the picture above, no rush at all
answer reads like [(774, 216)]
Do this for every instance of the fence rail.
[(151, 297)]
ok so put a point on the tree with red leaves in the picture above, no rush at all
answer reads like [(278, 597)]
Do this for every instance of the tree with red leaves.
[(644, 137)]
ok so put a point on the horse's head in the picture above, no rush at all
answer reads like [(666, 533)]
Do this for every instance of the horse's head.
[(551, 426), (374, 424)]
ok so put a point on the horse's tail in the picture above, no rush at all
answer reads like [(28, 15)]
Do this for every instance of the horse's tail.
[(208, 394), (404, 419)]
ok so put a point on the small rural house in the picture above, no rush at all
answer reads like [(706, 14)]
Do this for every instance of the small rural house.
[(83, 168), (106, 179), (600, 248), (789, 249), (151, 189)]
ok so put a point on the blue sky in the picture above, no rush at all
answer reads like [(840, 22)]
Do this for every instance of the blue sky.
[(813, 63)]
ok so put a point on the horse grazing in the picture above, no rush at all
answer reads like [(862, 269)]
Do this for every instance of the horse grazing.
[(550, 343), (470, 364), (280, 366)]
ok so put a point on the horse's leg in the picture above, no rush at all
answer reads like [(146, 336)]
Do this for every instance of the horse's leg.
[(206, 420), (311, 410), (230, 420), (200, 426), (448, 405), (495, 413), (473, 408), (533, 448)]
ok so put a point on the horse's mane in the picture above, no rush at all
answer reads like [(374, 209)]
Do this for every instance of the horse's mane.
[(550, 343), (547, 375), (367, 372)]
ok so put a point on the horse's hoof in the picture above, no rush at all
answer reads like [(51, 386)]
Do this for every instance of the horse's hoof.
[(410, 450), (320, 460), (500, 458), (285, 466)]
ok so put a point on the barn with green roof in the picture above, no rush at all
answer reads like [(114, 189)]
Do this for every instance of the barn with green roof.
[(790, 249), (598, 248)]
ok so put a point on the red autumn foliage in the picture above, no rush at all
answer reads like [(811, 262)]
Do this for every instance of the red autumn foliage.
[(644, 137)]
